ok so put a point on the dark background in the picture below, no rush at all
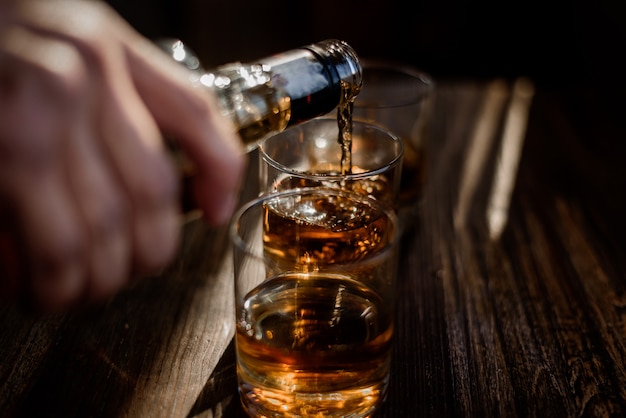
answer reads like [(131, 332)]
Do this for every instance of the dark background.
[(556, 44)]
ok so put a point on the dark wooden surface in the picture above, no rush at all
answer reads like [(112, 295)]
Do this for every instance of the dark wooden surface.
[(517, 314)]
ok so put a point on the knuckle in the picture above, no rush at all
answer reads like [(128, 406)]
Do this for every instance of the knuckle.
[(29, 57), (69, 76)]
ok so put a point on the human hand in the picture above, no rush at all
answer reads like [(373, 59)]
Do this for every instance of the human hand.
[(88, 196)]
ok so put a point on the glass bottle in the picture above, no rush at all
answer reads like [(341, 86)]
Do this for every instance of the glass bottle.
[(272, 93)]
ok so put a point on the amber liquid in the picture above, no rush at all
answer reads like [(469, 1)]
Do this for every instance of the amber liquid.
[(344, 122), (313, 345), (311, 230), (274, 116), (377, 186)]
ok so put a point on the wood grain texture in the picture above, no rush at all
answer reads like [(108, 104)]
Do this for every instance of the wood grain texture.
[(531, 323)]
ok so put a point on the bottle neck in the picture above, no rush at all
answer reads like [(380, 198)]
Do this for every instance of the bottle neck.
[(316, 77), (340, 56)]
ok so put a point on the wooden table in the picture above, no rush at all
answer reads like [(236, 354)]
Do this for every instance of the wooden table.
[(512, 285)]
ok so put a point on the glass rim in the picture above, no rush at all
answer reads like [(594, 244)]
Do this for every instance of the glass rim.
[(336, 177), (425, 80), (237, 241)]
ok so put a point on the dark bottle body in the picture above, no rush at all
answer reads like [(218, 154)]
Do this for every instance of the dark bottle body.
[(268, 95)]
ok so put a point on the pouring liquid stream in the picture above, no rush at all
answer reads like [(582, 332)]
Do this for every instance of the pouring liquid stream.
[(344, 122)]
